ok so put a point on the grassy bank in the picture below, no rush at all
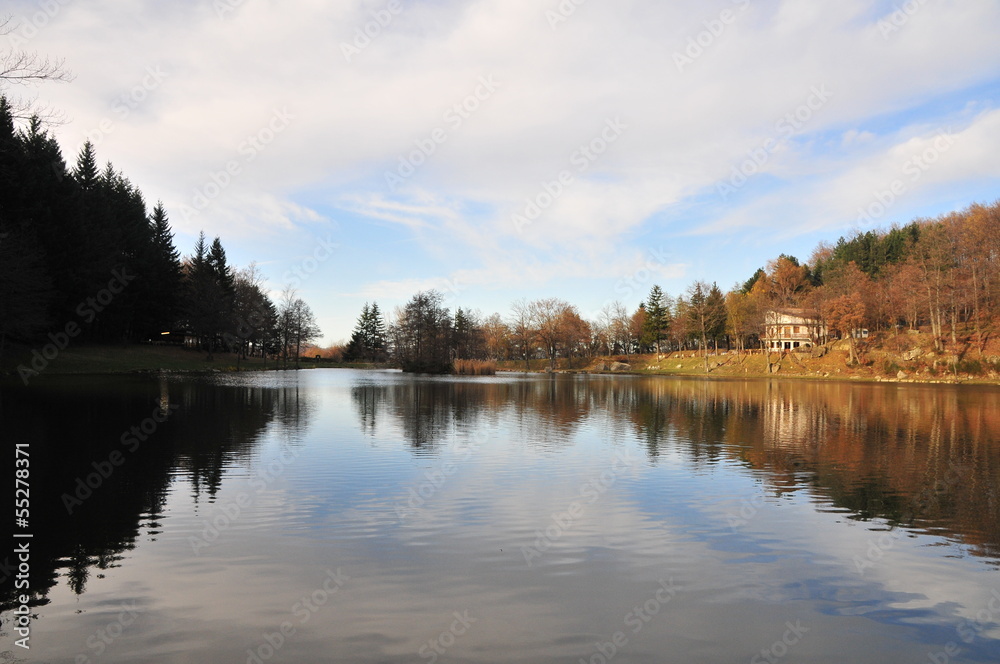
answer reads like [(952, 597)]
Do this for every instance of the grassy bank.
[(899, 358), (85, 359)]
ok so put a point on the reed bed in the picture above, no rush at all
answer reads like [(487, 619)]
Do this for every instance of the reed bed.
[(474, 367)]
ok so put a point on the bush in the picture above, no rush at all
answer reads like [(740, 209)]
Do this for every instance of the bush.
[(891, 368), (474, 367), (428, 366), (971, 367)]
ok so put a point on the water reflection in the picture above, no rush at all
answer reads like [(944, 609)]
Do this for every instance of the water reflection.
[(104, 452), (755, 497), (924, 457)]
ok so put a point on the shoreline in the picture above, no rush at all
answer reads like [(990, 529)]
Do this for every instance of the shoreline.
[(881, 366), (759, 376)]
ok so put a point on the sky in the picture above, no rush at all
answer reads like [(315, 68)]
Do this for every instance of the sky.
[(503, 149)]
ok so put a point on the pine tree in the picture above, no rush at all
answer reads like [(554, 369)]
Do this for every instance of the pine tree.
[(26, 288), (749, 283), (85, 174), (357, 348), (97, 241), (124, 210), (461, 334), (164, 273), (220, 268), (716, 303), (376, 333), (656, 318), (208, 302), (368, 340)]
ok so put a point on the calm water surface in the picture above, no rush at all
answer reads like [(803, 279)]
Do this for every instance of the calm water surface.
[(347, 516)]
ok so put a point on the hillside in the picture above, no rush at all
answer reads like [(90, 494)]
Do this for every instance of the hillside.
[(906, 357)]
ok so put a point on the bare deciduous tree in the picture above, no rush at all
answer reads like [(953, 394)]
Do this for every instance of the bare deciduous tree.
[(27, 68)]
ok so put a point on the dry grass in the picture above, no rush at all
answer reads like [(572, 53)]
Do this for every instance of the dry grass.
[(474, 367)]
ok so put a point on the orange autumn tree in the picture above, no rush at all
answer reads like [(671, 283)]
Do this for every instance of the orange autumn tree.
[(845, 314), (784, 283)]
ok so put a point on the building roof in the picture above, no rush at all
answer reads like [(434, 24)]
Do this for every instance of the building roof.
[(793, 311)]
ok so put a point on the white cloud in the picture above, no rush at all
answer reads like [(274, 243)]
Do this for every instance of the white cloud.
[(353, 121)]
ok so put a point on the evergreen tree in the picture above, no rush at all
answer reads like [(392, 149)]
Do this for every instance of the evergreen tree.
[(220, 267), (422, 334), (66, 234), (39, 201), (752, 281), (716, 303), (164, 274), (26, 291), (461, 335), (127, 316), (85, 174), (368, 340), (376, 333), (357, 348), (656, 318), (208, 302), (96, 250)]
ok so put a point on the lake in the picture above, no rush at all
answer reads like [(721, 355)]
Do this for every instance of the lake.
[(370, 516)]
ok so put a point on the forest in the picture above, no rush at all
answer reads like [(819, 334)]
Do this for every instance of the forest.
[(83, 259), (937, 275)]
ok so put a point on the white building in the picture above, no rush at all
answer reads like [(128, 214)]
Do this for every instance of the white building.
[(788, 329)]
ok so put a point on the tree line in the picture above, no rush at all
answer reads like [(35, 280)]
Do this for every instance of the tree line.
[(80, 251), (939, 275)]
